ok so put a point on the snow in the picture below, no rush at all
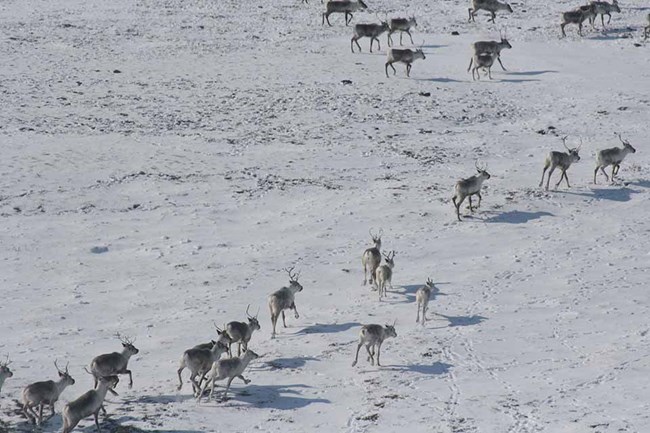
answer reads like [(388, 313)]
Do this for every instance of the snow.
[(164, 160)]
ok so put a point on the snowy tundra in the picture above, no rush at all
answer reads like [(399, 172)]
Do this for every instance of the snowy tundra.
[(163, 161)]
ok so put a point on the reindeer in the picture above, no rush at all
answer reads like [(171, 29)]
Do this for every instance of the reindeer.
[(401, 25), (284, 299), (484, 61), (223, 339), (604, 8), (405, 56), (5, 373), (646, 29), (577, 16), (241, 332), (562, 160), (372, 31), (384, 274), (199, 361), (41, 393), (373, 336), (612, 156), (490, 47), (111, 364), (469, 187), (88, 404), (371, 258), (230, 368), (342, 6), (491, 6), (422, 297)]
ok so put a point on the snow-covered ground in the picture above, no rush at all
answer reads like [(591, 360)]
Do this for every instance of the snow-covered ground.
[(209, 144)]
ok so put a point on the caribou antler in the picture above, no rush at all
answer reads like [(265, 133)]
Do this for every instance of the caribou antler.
[(216, 326), (292, 276), (124, 339), (621, 138), (248, 315), (564, 142)]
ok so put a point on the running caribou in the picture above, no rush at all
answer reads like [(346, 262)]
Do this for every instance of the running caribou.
[(39, 394), (112, 364), (241, 332), (284, 299)]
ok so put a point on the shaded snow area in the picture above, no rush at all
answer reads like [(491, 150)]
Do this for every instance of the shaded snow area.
[(164, 160)]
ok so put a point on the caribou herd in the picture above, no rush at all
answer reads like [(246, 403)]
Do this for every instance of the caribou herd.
[(214, 361), (484, 53)]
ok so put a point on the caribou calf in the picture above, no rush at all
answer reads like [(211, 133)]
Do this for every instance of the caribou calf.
[(373, 336), (229, 368), (384, 274), (483, 61), (39, 394), (199, 361), (284, 299), (372, 31), (489, 47), (612, 156), (563, 160), (342, 6), (88, 404), (422, 297), (405, 56), (469, 187)]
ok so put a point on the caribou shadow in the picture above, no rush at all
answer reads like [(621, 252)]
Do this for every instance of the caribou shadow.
[(297, 362), (436, 368), (462, 320), (528, 73), (516, 217), (281, 397), (326, 328)]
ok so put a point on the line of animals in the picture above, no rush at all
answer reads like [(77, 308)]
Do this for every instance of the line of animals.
[(485, 53), (466, 188), (204, 360)]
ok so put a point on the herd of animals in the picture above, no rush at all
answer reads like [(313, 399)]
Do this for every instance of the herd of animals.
[(485, 53), (205, 361)]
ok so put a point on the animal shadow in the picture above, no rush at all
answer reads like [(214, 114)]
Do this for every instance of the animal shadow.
[(328, 328), (462, 320), (516, 217), (434, 369)]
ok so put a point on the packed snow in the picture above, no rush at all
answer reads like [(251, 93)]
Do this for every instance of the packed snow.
[(163, 161)]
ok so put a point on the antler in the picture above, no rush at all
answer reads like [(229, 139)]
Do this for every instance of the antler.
[(124, 339), (292, 276), (217, 327), (6, 362), (564, 142), (481, 167), (578, 148), (248, 315), (621, 138), (429, 282)]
